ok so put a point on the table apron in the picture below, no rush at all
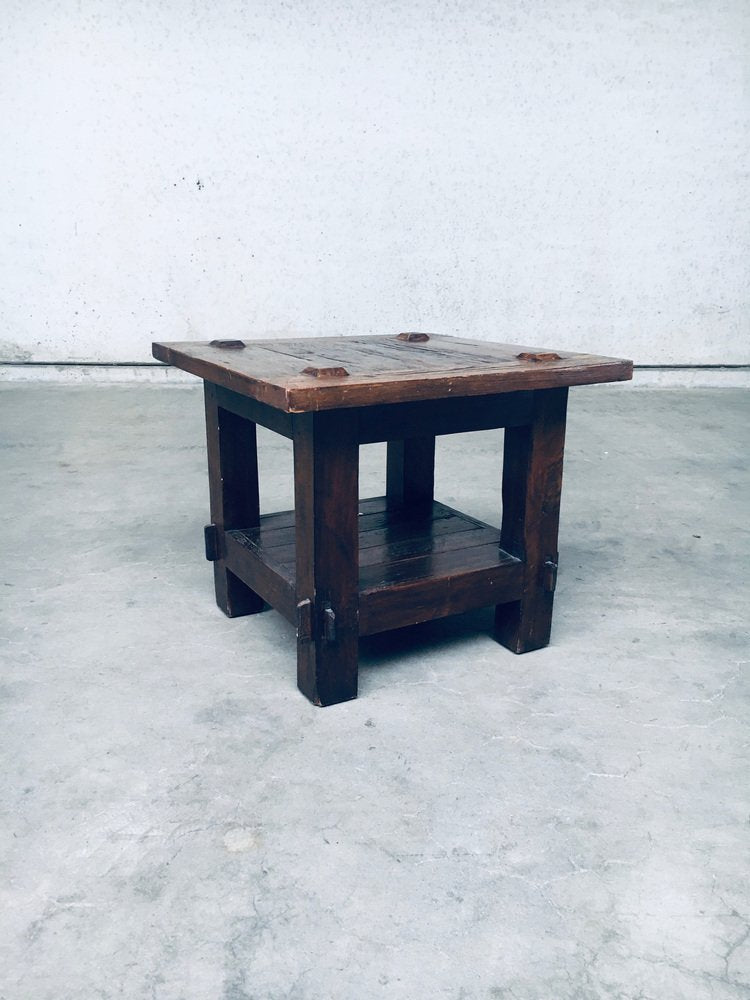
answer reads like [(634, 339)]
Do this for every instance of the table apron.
[(396, 421), (252, 409)]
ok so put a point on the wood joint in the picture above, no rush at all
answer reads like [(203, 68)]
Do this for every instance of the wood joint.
[(329, 623), (304, 620), (336, 372), (414, 338), (306, 627), (549, 575), (211, 539)]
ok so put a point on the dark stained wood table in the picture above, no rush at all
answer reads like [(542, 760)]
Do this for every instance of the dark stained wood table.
[(339, 567)]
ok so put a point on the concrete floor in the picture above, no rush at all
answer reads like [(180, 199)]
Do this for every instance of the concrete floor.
[(178, 823)]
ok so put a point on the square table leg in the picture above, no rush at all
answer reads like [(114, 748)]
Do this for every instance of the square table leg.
[(410, 473), (233, 487), (532, 482), (326, 500)]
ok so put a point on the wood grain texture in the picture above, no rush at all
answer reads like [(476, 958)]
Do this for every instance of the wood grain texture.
[(386, 422), (273, 581), (386, 535), (443, 592), (382, 369)]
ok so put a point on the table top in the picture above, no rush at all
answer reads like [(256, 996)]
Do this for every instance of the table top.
[(321, 373)]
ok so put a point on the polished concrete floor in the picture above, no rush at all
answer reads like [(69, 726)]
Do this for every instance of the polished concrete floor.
[(178, 823)]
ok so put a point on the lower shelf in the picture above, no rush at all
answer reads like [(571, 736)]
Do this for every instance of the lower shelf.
[(410, 569)]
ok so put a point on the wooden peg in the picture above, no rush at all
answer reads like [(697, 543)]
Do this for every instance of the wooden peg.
[(325, 372), (530, 356)]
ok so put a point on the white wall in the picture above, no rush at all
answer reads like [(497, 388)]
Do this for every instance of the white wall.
[(567, 173)]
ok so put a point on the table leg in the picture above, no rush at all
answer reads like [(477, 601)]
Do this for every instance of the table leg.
[(410, 473), (326, 479), (233, 486), (532, 481)]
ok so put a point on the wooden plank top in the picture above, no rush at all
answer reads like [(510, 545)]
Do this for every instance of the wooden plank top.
[(322, 373)]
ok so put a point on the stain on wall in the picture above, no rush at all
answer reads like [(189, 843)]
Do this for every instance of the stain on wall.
[(14, 352)]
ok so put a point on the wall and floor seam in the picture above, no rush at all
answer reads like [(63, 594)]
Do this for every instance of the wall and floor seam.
[(674, 376)]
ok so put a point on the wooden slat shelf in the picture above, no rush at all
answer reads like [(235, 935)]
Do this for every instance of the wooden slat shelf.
[(412, 568)]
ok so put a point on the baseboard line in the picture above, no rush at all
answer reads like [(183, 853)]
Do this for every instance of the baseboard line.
[(158, 364), (676, 376)]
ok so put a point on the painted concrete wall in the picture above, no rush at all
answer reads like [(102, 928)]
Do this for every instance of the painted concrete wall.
[(566, 173)]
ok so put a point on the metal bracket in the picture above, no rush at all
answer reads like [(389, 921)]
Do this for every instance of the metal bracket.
[(211, 539), (549, 577)]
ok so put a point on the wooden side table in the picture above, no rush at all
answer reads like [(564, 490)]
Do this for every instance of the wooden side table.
[(338, 567)]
